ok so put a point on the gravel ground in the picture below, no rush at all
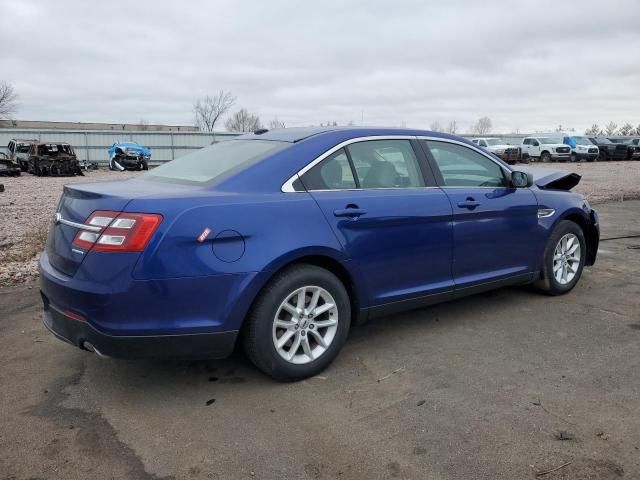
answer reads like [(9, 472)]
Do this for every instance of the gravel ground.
[(28, 204)]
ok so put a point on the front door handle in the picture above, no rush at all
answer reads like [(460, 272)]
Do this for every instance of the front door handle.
[(469, 203), (349, 212)]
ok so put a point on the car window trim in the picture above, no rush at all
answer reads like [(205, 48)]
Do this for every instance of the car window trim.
[(287, 187), (434, 165)]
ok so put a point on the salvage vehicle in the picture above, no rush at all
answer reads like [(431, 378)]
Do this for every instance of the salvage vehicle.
[(581, 148), (128, 156), (279, 241), (53, 159), (509, 153), (8, 167), (609, 150), (633, 151), (19, 152), (546, 149)]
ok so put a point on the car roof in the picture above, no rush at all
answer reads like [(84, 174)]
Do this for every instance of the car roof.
[(297, 134)]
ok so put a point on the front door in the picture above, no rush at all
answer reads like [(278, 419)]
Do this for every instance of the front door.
[(393, 224), (495, 226)]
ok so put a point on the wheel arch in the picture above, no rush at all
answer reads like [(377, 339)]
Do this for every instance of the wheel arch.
[(329, 259), (591, 234)]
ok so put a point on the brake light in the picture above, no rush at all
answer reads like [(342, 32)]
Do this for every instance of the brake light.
[(119, 231)]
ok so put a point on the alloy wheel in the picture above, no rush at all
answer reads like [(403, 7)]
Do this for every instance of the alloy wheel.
[(305, 325), (566, 259)]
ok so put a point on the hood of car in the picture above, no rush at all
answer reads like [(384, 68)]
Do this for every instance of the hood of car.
[(548, 179)]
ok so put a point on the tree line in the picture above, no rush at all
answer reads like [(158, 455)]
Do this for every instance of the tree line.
[(611, 129)]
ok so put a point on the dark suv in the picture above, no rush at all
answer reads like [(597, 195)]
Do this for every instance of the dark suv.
[(633, 149), (610, 150)]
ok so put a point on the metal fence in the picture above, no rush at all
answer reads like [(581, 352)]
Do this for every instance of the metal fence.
[(92, 145)]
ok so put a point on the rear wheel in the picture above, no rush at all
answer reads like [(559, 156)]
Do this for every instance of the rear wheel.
[(298, 323), (603, 157), (564, 258)]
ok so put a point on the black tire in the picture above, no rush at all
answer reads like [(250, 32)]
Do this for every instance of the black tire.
[(257, 332), (545, 157), (573, 158), (602, 156), (145, 165), (547, 282)]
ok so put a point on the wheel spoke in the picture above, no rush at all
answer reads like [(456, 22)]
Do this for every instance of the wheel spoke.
[(329, 322), (285, 338), (306, 347), (286, 324), (322, 309), (573, 249), (564, 273), (302, 294), (290, 308), (314, 300), (294, 347), (318, 338)]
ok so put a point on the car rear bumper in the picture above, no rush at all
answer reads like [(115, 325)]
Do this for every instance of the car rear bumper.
[(80, 333)]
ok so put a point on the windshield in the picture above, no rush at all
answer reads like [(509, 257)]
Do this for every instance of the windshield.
[(494, 141), (550, 140), (603, 140), (209, 163), (582, 141)]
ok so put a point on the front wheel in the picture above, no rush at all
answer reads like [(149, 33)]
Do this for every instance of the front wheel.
[(298, 323), (573, 158), (564, 258), (545, 157)]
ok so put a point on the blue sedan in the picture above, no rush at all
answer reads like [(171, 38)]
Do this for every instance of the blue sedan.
[(279, 241)]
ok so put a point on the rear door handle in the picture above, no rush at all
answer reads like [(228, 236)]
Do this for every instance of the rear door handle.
[(469, 203), (349, 212)]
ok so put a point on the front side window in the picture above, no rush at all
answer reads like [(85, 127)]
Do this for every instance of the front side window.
[(385, 164), (332, 173), (210, 163), (462, 167)]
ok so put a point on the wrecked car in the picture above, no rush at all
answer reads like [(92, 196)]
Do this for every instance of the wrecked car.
[(19, 152), (53, 159), (8, 167), (128, 156)]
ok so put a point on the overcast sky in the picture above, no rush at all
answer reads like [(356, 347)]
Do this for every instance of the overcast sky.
[(528, 66)]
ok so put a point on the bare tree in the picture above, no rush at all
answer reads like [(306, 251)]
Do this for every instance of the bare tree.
[(8, 100), (275, 124), (207, 111), (610, 128), (594, 130), (626, 129), (435, 126), (143, 124), (453, 127), (482, 126), (243, 121), (638, 129)]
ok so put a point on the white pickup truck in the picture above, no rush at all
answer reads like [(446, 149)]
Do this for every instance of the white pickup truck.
[(497, 146), (546, 148)]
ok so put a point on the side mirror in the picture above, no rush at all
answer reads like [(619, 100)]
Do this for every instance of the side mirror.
[(521, 179)]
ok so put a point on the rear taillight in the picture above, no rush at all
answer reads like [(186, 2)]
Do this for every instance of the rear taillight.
[(119, 231)]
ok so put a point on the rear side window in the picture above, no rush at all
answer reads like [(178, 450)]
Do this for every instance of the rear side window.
[(215, 161), (333, 173), (462, 167), (385, 164)]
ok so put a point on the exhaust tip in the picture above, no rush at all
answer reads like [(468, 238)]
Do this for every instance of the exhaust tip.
[(91, 348)]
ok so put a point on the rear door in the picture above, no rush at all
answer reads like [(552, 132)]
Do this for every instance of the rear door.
[(389, 216), (495, 226)]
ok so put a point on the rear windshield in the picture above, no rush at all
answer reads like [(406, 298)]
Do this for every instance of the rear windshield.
[(210, 163)]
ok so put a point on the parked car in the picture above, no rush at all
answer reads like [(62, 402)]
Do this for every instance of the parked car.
[(53, 159), (633, 151), (546, 148), (581, 148), (279, 241), (8, 167), (19, 152), (609, 150), (128, 156), (509, 153)]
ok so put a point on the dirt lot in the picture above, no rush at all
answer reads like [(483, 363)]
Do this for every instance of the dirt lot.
[(498, 386), (28, 204)]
